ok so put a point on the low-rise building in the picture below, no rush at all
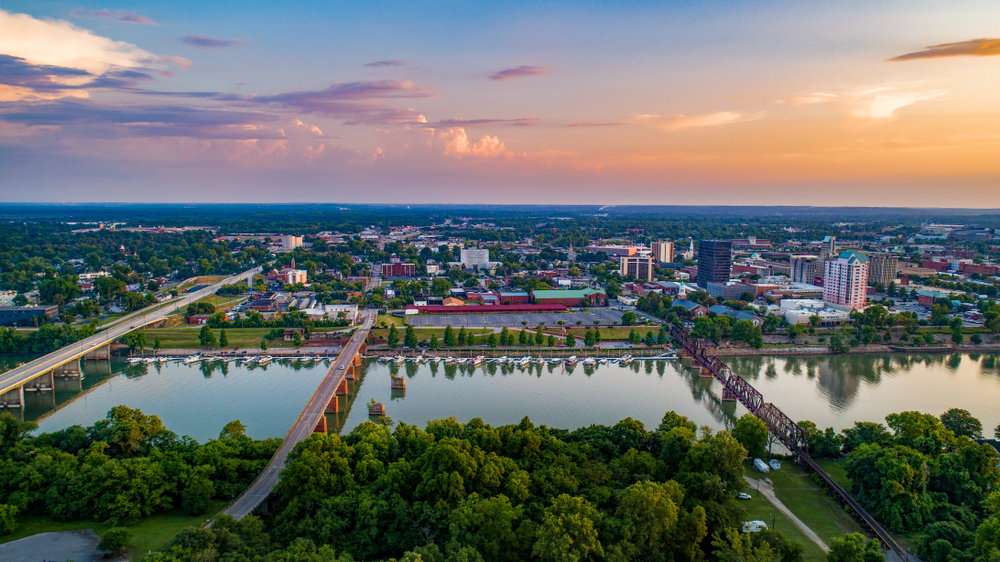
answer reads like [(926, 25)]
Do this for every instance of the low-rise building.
[(571, 297), (26, 315), (692, 307)]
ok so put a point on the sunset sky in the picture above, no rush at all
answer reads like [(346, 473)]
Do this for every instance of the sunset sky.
[(716, 102)]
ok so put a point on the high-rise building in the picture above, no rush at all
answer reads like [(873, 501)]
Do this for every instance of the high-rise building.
[(290, 242), (804, 269), (881, 269), (845, 280), (640, 267), (663, 251), (715, 261), (473, 258)]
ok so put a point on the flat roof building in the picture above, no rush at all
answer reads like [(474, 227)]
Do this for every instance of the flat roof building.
[(715, 259)]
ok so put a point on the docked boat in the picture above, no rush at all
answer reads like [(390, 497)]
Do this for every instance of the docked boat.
[(450, 360), (134, 360), (477, 360), (524, 361), (571, 360), (590, 361), (192, 359), (264, 359)]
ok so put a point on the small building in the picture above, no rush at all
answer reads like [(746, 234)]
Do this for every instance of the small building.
[(199, 318), (692, 307), (289, 333), (927, 298), (452, 301)]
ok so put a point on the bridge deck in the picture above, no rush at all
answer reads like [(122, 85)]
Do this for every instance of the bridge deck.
[(314, 411), (781, 426), (14, 378)]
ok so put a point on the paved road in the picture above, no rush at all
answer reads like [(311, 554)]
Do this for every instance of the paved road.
[(16, 377), (765, 488), (302, 428)]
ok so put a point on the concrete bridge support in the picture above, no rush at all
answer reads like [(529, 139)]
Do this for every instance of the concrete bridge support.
[(13, 399), (321, 426), (103, 352), (342, 389), (334, 405), (350, 373)]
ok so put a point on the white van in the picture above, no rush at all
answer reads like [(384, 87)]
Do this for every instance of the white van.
[(754, 526), (761, 466)]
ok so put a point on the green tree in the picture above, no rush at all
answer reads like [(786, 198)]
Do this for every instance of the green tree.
[(855, 547), (629, 318), (463, 337), (961, 422), (198, 490), (263, 344), (650, 340), (223, 339), (433, 343), (491, 340), (206, 337), (752, 433), (567, 532), (597, 335), (552, 340), (570, 340), (649, 512), (450, 338), (539, 335), (661, 337), (956, 334), (8, 518), (588, 339), (115, 540), (505, 337), (410, 338), (471, 340), (522, 337), (393, 338), (737, 547)]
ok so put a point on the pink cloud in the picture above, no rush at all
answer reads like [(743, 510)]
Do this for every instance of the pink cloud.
[(520, 72), (118, 15)]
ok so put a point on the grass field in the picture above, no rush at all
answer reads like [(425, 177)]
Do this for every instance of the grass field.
[(758, 508), (808, 501), (187, 337), (149, 534), (221, 303), (389, 320), (611, 332), (426, 333)]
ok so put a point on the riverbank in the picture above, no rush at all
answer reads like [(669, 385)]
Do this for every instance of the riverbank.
[(862, 350)]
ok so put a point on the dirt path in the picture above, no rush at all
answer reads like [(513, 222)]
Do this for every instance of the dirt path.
[(768, 492)]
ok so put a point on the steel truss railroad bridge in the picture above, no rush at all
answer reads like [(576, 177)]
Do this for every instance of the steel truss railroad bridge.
[(781, 427)]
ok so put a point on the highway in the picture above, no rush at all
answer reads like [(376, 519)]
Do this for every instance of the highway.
[(154, 313), (303, 427)]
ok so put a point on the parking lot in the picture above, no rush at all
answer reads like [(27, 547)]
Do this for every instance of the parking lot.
[(606, 316)]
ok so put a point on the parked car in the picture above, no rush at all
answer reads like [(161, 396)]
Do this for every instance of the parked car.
[(743, 496), (774, 464)]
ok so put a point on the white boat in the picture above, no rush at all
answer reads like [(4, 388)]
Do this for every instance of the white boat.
[(134, 360), (590, 361), (524, 360), (250, 360), (478, 359), (399, 359), (503, 359), (450, 360), (571, 360), (602, 360), (192, 359), (163, 359), (555, 360), (538, 360), (436, 359), (264, 359)]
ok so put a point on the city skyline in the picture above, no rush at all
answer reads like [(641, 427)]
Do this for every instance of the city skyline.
[(720, 103)]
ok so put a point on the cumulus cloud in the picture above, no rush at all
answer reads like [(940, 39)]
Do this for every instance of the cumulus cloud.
[(870, 102), (206, 42), (118, 15), (520, 72), (975, 48), (312, 128), (382, 63), (681, 122), (50, 59), (426, 145)]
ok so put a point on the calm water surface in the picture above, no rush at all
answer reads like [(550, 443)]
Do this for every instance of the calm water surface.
[(197, 400)]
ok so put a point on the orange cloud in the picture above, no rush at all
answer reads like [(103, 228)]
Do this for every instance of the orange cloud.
[(974, 48), (680, 122)]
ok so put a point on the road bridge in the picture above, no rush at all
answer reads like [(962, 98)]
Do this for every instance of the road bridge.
[(39, 375), (735, 387), (311, 420)]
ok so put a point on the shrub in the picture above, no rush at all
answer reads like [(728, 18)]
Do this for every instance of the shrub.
[(8, 518), (115, 539)]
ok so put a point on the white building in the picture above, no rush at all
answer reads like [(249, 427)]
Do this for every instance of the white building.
[(289, 242), (7, 298), (663, 251), (473, 258), (799, 311), (845, 280)]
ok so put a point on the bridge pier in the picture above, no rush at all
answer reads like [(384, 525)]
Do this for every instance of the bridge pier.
[(342, 389), (350, 372), (13, 398), (321, 425), (333, 406), (727, 395), (103, 352)]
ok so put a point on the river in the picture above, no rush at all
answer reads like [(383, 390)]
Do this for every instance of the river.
[(197, 400)]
